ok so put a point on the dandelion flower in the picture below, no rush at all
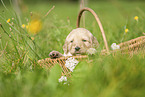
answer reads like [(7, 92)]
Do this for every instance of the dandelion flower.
[(35, 26), (23, 26), (126, 30), (136, 18), (114, 46), (8, 21)]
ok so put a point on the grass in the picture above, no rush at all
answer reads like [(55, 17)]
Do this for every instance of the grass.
[(100, 76)]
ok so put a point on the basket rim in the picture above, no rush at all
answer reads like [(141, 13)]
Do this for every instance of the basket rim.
[(98, 21), (132, 40)]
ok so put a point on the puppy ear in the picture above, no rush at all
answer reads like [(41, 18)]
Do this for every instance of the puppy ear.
[(65, 47), (95, 42)]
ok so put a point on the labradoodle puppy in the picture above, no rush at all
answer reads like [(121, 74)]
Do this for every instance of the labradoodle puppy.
[(79, 41)]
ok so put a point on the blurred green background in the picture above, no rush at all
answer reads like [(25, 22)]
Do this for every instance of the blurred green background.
[(98, 76)]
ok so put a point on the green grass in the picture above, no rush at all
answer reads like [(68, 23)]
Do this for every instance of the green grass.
[(100, 76)]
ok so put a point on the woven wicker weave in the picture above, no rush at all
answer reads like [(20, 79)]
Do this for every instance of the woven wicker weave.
[(133, 45), (129, 47), (49, 63)]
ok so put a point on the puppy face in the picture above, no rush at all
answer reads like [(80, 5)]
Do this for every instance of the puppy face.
[(79, 41)]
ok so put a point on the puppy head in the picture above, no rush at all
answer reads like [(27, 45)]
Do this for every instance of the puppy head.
[(79, 41)]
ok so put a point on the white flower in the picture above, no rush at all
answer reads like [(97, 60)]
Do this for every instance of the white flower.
[(91, 51), (63, 78), (114, 46), (71, 63)]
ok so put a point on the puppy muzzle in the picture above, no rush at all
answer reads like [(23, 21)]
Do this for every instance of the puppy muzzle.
[(77, 48)]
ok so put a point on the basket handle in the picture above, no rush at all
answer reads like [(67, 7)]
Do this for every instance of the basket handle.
[(98, 21)]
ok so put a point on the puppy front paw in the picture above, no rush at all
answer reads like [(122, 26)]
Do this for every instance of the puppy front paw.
[(55, 54)]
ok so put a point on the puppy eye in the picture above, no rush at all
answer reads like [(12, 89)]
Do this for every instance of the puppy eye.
[(84, 40), (71, 41)]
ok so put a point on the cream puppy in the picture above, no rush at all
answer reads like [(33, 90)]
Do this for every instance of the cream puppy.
[(79, 41)]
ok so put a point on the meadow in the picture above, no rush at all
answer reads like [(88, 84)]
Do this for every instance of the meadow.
[(119, 75)]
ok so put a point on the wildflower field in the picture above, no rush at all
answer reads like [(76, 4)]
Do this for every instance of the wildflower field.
[(29, 35)]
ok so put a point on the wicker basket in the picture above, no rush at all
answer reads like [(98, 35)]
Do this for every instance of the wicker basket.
[(133, 46), (49, 63), (129, 47)]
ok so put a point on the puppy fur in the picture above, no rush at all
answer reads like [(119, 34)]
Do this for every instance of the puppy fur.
[(78, 42)]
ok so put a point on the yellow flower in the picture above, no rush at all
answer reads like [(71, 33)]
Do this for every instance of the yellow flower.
[(34, 26), (8, 20), (23, 26), (126, 30), (136, 18)]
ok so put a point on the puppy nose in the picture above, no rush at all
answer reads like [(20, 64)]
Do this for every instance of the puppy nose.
[(77, 48)]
